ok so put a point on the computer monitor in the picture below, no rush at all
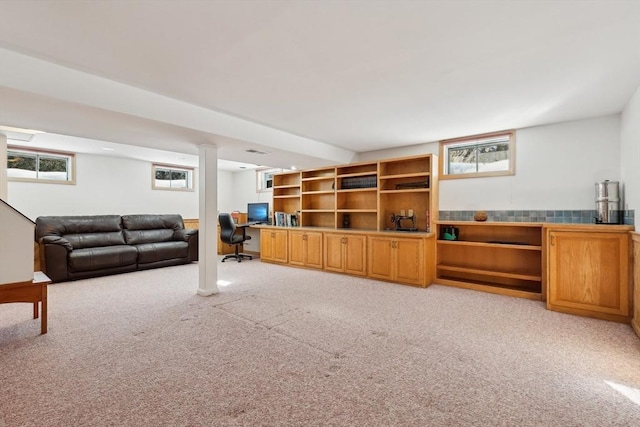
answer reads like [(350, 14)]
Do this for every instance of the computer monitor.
[(258, 212)]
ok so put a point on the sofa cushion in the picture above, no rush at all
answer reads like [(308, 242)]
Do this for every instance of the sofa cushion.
[(88, 259), (82, 231), (150, 228), (160, 251)]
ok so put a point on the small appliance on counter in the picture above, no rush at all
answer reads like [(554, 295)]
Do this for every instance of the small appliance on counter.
[(607, 203)]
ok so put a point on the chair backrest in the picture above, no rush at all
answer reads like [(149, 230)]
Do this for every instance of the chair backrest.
[(227, 227)]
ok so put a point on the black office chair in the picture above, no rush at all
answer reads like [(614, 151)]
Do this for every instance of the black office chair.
[(228, 235)]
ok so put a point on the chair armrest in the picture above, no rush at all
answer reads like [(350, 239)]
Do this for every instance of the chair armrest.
[(57, 240), (185, 234)]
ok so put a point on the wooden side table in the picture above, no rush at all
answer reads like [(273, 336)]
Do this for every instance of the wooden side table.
[(34, 291)]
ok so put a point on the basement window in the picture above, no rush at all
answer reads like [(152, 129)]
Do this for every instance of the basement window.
[(478, 156), (172, 178), (40, 166)]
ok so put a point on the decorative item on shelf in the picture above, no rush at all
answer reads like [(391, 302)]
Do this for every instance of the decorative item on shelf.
[(397, 222), (480, 216), (345, 221), (450, 233)]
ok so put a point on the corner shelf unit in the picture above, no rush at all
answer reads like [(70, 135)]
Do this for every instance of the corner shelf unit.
[(361, 196), (497, 257)]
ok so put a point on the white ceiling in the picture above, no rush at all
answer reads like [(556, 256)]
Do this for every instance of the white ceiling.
[(310, 82)]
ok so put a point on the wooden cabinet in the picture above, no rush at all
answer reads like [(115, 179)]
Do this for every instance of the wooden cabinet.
[(305, 248), (345, 253), (636, 279), (397, 259), (588, 271), (497, 257), (273, 245)]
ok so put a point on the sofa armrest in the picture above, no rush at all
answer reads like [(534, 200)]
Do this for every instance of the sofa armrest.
[(185, 234), (189, 235), (57, 240), (53, 257)]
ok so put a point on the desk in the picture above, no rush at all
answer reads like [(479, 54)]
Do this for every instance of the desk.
[(34, 291)]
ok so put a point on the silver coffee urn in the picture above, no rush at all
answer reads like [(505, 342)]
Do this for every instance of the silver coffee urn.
[(607, 203)]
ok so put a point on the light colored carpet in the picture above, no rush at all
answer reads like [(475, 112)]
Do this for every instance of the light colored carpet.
[(281, 346)]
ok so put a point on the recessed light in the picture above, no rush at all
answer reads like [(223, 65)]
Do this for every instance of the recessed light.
[(293, 168), (108, 149)]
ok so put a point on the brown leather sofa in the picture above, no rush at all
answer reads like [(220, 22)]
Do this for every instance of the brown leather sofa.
[(79, 247)]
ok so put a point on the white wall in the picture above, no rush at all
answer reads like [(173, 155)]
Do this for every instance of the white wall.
[(104, 185), (630, 152), (557, 167)]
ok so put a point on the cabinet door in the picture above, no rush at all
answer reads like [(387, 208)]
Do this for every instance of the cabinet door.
[(333, 252), (313, 249), (280, 253), (355, 255), (266, 245), (409, 265), (588, 272), (380, 258), (296, 246)]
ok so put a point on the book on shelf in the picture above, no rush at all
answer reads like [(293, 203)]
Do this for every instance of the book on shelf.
[(284, 219)]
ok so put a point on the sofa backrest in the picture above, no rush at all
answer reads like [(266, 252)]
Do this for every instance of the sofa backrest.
[(150, 228), (82, 231)]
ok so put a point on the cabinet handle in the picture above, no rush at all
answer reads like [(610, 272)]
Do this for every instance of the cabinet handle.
[(344, 240), (553, 240)]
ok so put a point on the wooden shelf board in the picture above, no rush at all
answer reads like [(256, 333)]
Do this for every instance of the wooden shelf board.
[(357, 210), (357, 190), (491, 223), (491, 288), (405, 175), (407, 190), (491, 245), (520, 276), (349, 175), (294, 196), (317, 210), (275, 187), (319, 178), (306, 193)]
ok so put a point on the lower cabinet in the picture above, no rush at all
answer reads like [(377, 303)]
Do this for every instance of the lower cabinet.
[(345, 253), (588, 271), (635, 237), (305, 248), (273, 245), (397, 259)]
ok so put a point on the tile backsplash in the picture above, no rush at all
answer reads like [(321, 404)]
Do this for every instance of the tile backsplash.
[(567, 217)]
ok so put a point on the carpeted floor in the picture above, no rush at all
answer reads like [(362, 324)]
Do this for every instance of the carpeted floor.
[(282, 346)]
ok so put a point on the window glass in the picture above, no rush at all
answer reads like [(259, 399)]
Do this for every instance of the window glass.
[(39, 166), (487, 155), (172, 178)]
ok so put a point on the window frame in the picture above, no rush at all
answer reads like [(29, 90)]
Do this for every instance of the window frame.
[(70, 158), (191, 176), (261, 179), (445, 145)]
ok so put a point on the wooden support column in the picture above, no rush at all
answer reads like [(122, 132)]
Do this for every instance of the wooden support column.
[(208, 220)]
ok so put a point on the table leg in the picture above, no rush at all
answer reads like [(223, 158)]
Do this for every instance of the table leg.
[(43, 325)]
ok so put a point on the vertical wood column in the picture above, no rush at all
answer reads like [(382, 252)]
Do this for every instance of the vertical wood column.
[(208, 220)]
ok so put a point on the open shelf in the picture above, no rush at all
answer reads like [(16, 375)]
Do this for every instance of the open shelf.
[(504, 258)]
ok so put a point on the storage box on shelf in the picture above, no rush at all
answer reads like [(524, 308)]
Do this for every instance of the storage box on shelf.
[(497, 257), (589, 270)]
